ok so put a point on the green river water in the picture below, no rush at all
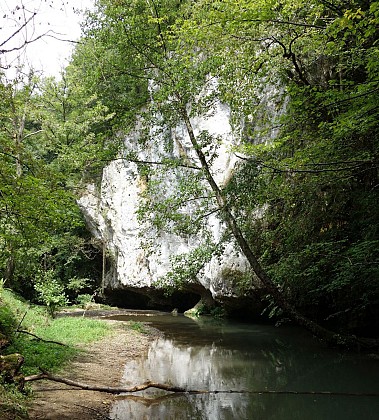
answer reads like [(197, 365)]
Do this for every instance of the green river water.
[(226, 355)]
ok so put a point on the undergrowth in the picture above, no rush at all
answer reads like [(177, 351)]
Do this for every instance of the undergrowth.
[(19, 319), (73, 332)]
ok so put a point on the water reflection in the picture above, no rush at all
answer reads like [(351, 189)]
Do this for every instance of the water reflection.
[(228, 356)]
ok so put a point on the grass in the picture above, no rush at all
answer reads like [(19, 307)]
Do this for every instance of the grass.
[(137, 326), (12, 403), (74, 332)]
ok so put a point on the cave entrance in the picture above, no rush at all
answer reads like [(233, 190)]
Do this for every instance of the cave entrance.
[(150, 299)]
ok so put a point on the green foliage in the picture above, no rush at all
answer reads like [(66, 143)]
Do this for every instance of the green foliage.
[(137, 326), (305, 193), (218, 312), (200, 310), (178, 210), (21, 309), (72, 331), (203, 309), (50, 291), (307, 201), (50, 357), (12, 403), (76, 139), (77, 284), (47, 146), (237, 280), (8, 324), (84, 300), (185, 267)]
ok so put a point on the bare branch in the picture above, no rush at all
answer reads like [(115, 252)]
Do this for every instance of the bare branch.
[(18, 30), (39, 338), (32, 134), (25, 43), (176, 389), (351, 98)]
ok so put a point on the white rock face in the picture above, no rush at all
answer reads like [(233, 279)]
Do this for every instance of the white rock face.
[(111, 216)]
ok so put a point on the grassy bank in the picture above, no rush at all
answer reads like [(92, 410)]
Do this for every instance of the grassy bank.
[(18, 321)]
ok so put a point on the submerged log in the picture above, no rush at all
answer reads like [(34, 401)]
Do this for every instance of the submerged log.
[(176, 389)]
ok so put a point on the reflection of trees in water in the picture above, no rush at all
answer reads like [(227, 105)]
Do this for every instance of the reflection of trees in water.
[(181, 406), (256, 406), (215, 367), (241, 360), (210, 367), (168, 406)]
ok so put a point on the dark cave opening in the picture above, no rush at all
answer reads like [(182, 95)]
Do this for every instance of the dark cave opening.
[(147, 298)]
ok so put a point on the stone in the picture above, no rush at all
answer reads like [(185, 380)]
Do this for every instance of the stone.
[(10, 366), (110, 212)]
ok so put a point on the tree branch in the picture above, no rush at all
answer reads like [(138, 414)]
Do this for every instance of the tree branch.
[(290, 55), (280, 22), (160, 33), (18, 160), (150, 162), (328, 336), (351, 98), (332, 7), (353, 165), (18, 30), (176, 389), (41, 339), (32, 134), (25, 43)]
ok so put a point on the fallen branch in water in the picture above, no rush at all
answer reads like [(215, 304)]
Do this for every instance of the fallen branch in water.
[(171, 388), (108, 389)]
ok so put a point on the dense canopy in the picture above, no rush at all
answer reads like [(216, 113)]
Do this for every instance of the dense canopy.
[(301, 79)]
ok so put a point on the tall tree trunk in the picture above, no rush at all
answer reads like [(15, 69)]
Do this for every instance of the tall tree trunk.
[(104, 267), (322, 333), (9, 269)]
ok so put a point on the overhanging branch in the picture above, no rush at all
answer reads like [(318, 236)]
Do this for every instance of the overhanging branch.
[(18, 30), (152, 162), (349, 166)]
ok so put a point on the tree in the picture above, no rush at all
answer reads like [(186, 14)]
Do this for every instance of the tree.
[(319, 176), (179, 53), (315, 168), (26, 25), (47, 148)]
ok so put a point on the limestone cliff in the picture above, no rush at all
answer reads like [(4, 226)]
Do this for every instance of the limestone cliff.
[(110, 211)]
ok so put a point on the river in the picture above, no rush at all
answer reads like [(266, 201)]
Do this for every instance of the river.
[(221, 355)]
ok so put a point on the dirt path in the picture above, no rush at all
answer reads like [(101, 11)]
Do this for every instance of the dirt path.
[(102, 364)]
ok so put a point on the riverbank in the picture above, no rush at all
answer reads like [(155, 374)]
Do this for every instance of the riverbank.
[(77, 344), (100, 364)]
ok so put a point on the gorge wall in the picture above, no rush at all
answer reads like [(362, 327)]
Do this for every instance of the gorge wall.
[(133, 270)]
